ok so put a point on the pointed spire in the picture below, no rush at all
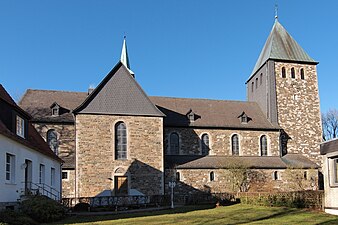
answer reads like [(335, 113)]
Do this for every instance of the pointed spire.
[(281, 46), (124, 54)]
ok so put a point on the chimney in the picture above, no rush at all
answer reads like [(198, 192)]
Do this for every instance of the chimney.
[(90, 89)]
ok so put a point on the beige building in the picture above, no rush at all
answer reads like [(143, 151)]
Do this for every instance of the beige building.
[(116, 140), (329, 150)]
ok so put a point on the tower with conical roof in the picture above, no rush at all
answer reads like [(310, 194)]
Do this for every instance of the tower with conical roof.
[(284, 84)]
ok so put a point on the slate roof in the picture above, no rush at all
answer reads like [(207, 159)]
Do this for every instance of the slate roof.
[(37, 103), (329, 146), (119, 94), (226, 162), (281, 46), (211, 113), (33, 141)]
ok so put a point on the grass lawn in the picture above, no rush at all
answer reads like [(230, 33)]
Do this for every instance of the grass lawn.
[(235, 214)]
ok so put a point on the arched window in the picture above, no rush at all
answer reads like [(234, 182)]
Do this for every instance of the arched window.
[(293, 73), (264, 146), (235, 144), (283, 72), (178, 176), (302, 73), (52, 140), (261, 79), (212, 176), (205, 144), (256, 82), (252, 86), (174, 144), (120, 141)]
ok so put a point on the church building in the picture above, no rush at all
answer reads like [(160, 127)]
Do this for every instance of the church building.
[(117, 140)]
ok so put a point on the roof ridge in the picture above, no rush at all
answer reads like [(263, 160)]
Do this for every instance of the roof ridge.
[(44, 90), (220, 100)]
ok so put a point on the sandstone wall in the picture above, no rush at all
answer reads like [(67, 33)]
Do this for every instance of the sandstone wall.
[(198, 180), (96, 164), (220, 141), (298, 109)]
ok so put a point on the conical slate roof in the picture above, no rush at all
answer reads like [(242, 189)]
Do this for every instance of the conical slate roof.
[(281, 46)]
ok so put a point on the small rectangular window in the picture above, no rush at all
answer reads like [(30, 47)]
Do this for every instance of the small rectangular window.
[(10, 168), (42, 174), (64, 175), (20, 127), (52, 177)]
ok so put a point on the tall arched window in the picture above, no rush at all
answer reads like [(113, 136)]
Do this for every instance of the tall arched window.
[(283, 72), (293, 73), (235, 144), (264, 146), (178, 176), (205, 144), (120, 141), (52, 140), (302, 73), (174, 144)]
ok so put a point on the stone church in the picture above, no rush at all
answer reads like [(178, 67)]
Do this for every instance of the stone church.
[(117, 140)]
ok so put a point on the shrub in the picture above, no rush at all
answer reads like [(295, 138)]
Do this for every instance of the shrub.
[(43, 209), (81, 207), (10, 217)]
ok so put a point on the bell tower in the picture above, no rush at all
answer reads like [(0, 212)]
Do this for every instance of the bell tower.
[(284, 84)]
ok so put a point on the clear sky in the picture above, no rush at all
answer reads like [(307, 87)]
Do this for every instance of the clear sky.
[(177, 48)]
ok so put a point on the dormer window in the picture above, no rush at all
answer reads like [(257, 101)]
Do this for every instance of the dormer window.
[(191, 116), (243, 118), (55, 109), (20, 127)]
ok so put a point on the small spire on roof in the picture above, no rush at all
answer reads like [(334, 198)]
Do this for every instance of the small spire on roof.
[(276, 11), (124, 56)]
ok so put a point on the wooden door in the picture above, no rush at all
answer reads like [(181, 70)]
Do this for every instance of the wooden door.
[(121, 185)]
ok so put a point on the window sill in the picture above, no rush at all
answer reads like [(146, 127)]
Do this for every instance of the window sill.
[(10, 183)]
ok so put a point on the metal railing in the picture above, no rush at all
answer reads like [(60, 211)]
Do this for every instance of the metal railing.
[(31, 188)]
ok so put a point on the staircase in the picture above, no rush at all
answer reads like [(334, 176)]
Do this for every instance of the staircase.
[(32, 189)]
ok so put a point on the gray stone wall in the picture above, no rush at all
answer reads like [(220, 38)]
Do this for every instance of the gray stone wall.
[(96, 164), (299, 110), (220, 141)]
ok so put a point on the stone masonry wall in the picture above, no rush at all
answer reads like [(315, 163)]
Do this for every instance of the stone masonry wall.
[(66, 149), (96, 164), (194, 181), (220, 141), (68, 185), (298, 109)]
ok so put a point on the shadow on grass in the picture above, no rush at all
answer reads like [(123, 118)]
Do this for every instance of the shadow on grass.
[(95, 218), (334, 221)]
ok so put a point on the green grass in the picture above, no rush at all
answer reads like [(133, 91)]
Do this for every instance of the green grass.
[(235, 214)]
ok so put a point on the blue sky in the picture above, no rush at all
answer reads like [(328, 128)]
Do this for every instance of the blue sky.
[(190, 48)]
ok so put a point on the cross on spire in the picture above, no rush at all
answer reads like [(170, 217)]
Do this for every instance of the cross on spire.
[(276, 11)]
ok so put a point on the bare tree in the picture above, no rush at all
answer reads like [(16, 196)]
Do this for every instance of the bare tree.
[(330, 124)]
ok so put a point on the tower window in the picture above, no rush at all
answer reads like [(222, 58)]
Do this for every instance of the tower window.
[(261, 79), (293, 73), (256, 82), (252, 86), (283, 72), (264, 146), (302, 73)]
